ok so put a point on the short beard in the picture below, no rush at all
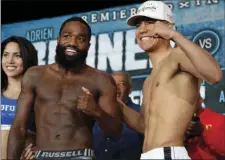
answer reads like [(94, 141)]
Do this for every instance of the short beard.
[(70, 62)]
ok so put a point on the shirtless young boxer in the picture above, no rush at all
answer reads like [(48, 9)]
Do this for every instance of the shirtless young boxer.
[(64, 110), (171, 92)]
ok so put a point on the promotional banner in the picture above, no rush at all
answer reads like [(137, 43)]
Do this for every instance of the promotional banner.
[(113, 45)]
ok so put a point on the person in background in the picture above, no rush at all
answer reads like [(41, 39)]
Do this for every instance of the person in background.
[(130, 144), (205, 138), (17, 55)]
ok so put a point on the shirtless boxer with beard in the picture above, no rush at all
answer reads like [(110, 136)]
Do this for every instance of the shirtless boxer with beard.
[(64, 110), (170, 93)]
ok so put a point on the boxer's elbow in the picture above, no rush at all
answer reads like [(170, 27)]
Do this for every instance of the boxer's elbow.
[(215, 77), (218, 76), (211, 73)]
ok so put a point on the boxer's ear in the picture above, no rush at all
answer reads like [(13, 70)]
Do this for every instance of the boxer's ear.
[(170, 25)]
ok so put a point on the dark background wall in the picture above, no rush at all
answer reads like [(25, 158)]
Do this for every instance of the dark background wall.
[(24, 10)]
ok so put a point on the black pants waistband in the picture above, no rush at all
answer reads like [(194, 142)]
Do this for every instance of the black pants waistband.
[(167, 153), (68, 154)]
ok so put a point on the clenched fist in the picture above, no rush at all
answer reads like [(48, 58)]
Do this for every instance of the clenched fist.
[(162, 30), (87, 104)]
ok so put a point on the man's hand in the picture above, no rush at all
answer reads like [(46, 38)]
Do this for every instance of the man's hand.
[(195, 128), (161, 30), (87, 104), (28, 153)]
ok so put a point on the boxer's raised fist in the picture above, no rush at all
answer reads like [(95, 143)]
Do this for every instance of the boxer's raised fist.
[(162, 30)]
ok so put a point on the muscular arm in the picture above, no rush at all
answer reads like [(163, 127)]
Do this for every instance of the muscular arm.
[(197, 61), (18, 131), (109, 119), (132, 118)]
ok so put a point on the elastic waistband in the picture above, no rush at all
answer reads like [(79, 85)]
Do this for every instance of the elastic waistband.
[(166, 153), (68, 154)]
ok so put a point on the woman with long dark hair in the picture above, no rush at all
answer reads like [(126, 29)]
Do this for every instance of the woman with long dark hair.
[(17, 55)]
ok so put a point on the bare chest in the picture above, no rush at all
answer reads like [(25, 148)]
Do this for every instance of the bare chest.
[(160, 76), (168, 82), (63, 90)]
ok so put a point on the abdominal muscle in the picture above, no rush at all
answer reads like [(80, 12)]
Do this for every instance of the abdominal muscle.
[(166, 120)]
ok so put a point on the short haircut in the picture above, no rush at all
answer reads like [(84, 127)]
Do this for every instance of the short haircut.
[(28, 54), (126, 74), (78, 19)]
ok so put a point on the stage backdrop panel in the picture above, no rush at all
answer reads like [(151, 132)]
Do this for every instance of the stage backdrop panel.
[(113, 45)]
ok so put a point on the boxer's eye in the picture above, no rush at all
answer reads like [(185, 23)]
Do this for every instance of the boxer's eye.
[(81, 39), (66, 36), (149, 22), (138, 25)]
